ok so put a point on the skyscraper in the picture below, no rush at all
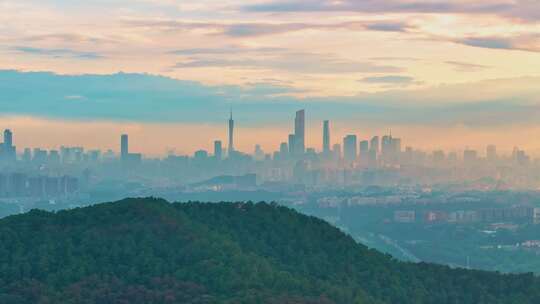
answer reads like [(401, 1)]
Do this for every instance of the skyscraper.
[(386, 145), (336, 151), (27, 155), (438, 157), (350, 148), (218, 150), (364, 148), (9, 152), (258, 153), (291, 144), (390, 149), (8, 138), (283, 150), (374, 145), (299, 133), (470, 157), (231, 136), (326, 138), (396, 146), (124, 147), (491, 153)]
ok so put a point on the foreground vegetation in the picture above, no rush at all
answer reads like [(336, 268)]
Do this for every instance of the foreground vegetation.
[(150, 251)]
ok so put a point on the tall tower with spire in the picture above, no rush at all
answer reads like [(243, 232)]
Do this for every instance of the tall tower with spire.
[(231, 135)]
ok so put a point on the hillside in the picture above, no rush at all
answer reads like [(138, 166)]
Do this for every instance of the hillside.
[(150, 251)]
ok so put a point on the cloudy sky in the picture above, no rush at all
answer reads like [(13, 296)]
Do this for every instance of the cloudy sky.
[(440, 74)]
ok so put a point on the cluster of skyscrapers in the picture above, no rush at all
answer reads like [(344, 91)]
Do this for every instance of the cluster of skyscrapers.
[(350, 152), (292, 162)]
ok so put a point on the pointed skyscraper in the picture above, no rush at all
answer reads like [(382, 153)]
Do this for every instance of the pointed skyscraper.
[(231, 135)]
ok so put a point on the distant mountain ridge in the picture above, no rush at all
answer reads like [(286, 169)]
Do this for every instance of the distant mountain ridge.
[(151, 251)]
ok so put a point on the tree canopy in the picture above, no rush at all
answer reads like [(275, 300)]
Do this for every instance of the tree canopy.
[(151, 251)]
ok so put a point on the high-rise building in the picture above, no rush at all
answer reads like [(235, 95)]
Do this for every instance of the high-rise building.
[(299, 171), (231, 136), (124, 147), (9, 152), (291, 144), (27, 155), (326, 138), (452, 157), (336, 151), (94, 155), (350, 148), (8, 138), (438, 157), (299, 133), (75, 154), (390, 149), (374, 144), (200, 155), (218, 150), (396, 146), (364, 146), (54, 157), (364, 151), (410, 156), (39, 156), (470, 157), (258, 154), (491, 153), (520, 157), (386, 145), (283, 150)]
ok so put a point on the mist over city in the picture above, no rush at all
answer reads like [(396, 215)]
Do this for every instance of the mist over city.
[(270, 151)]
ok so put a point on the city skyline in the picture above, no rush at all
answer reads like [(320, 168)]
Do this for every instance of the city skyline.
[(444, 74), (177, 111), (270, 151), (351, 145)]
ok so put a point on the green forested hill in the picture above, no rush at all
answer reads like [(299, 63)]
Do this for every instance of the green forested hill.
[(150, 251)]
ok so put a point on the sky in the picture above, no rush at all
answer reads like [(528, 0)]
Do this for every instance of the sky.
[(439, 74)]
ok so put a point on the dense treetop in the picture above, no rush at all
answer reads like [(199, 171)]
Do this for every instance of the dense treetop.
[(151, 251)]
